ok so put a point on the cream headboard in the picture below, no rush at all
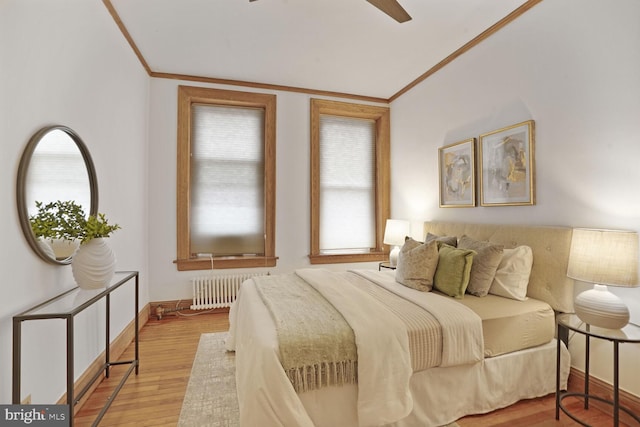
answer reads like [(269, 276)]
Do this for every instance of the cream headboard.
[(550, 245)]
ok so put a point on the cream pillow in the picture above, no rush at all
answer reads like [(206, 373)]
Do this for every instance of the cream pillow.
[(512, 276), (417, 264), (485, 264)]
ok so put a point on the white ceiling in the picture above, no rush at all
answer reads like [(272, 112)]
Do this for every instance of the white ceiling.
[(345, 46)]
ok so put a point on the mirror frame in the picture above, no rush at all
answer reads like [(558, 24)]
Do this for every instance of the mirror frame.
[(23, 170)]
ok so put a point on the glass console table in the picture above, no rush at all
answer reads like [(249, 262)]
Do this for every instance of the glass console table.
[(66, 306)]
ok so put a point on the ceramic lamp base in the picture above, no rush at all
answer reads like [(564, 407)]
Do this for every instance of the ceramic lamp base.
[(599, 307), (393, 256)]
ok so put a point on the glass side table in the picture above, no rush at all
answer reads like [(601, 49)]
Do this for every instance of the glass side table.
[(628, 334), (386, 265)]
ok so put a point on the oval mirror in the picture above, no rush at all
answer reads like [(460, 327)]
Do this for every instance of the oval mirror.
[(55, 166)]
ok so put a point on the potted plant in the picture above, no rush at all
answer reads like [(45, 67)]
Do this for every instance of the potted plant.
[(56, 226), (66, 220), (93, 263)]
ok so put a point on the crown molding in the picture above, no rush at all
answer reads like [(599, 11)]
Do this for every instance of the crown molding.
[(525, 7)]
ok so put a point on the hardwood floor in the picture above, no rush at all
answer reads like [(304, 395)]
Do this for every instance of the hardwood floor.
[(154, 397), (167, 350), (539, 412)]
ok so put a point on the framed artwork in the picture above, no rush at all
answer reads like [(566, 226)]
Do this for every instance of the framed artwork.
[(507, 175), (457, 173)]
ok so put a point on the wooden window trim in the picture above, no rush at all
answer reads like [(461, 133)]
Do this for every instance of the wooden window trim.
[(381, 116), (187, 96)]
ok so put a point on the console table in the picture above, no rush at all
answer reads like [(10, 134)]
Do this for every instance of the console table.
[(628, 334), (66, 306)]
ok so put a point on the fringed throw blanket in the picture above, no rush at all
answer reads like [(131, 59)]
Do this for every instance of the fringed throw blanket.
[(317, 345), (319, 313)]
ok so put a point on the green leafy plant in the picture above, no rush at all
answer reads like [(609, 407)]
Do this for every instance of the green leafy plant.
[(67, 220), (97, 226)]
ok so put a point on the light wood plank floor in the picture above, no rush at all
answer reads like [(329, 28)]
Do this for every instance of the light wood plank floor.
[(167, 350)]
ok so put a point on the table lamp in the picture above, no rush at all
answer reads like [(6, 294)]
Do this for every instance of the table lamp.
[(395, 232), (603, 257)]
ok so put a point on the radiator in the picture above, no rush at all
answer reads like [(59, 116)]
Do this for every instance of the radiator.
[(217, 291)]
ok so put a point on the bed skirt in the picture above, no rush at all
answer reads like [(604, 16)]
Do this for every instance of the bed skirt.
[(443, 395)]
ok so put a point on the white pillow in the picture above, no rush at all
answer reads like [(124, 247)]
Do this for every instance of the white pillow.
[(512, 276)]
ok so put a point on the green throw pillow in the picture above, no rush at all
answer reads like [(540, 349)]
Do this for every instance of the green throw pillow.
[(453, 271)]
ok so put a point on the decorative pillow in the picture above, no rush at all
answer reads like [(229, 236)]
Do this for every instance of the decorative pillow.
[(449, 240), (417, 264), (512, 276), (485, 264), (453, 271)]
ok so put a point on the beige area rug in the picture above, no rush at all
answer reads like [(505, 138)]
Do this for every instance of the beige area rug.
[(210, 400)]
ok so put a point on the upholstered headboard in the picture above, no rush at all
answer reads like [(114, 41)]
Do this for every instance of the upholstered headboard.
[(550, 245)]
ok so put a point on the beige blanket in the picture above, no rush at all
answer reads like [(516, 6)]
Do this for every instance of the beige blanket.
[(317, 346), (462, 341), (384, 365), (395, 334)]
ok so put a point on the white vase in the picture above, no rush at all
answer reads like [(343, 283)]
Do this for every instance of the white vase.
[(63, 248), (45, 245), (93, 264)]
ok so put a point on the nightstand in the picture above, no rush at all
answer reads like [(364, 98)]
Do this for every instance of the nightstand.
[(628, 334), (386, 265)]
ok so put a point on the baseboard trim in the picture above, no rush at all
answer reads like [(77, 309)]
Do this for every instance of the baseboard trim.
[(603, 389), (117, 347)]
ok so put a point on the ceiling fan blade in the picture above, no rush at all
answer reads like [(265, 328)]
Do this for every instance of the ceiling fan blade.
[(392, 8)]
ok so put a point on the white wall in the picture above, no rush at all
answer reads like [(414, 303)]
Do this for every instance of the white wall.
[(67, 63), (573, 66), (292, 188)]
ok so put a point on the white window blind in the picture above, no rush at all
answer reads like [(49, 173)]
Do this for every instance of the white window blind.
[(347, 184), (227, 180)]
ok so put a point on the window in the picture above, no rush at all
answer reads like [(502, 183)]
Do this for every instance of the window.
[(226, 179), (349, 181)]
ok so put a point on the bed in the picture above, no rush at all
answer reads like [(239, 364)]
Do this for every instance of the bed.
[(495, 349)]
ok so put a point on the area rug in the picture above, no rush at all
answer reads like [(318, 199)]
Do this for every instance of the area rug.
[(210, 400)]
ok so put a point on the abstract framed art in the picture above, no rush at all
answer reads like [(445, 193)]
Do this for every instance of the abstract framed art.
[(456, 165), (507, 166)]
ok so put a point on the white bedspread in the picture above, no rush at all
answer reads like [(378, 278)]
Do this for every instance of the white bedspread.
[(461, 327), (266, 396), (384, 362)]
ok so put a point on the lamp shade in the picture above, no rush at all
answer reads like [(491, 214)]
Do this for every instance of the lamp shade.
[(395, 231), (607, 257), (603, 257)]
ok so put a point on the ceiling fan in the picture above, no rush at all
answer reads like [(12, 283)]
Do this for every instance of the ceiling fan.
[(391, 8)]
